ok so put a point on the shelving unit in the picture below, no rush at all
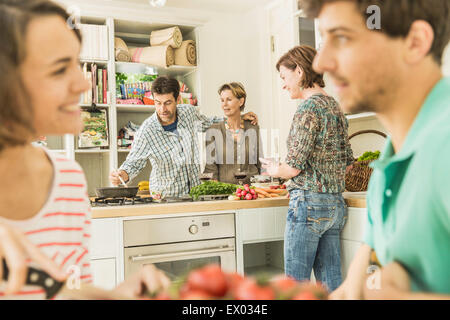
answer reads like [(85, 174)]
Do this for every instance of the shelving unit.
[(97, 163)]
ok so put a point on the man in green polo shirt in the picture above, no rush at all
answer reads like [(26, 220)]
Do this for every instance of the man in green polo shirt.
[(385, 57)]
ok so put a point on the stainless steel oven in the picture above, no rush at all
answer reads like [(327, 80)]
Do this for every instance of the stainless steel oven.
[(176, 245)]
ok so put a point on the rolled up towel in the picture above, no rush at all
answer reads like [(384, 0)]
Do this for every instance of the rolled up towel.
[(186, 55), (121, 50), (162, 56), (170, 37), (122, 55)]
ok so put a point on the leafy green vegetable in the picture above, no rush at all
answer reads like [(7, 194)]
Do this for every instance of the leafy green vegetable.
[(369, 155), (212, 188)]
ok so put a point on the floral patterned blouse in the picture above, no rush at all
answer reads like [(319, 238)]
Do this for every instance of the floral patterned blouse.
[(318, 146)]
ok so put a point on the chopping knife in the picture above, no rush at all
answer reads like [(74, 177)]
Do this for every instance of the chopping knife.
[(53, 287)]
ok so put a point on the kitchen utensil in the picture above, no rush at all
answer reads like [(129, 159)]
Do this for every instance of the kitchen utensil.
[(117, 192), (123, 182), (53, 287)]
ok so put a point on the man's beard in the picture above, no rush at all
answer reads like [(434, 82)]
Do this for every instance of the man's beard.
[(369, 102)]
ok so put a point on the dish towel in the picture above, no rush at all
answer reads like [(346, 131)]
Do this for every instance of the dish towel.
[(161, 56), (186, 55), (121, 50), (170, 36)]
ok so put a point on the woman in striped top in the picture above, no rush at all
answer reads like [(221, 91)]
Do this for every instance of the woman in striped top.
[(44, 206)]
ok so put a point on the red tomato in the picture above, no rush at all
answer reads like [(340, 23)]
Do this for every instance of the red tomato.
[(234, 279), (250, 290), (283, 186), (249, 196), (284, 286), (210, 279)]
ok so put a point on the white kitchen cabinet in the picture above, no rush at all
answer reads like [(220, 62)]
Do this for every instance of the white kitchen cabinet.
[(264, 224), (348, 250), (352, 236), (105, 252), (259, 240), (104, 273)]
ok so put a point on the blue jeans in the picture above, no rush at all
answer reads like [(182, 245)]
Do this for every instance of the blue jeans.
[(314, 224)]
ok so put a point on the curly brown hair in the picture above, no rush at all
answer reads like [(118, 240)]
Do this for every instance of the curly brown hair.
[(398, 16), (16, 111)]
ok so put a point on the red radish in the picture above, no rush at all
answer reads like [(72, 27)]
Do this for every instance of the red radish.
[(255, 197), (252, 191), (244, 193), (247, 188), (238, 194), (239, 190), (248, 196)]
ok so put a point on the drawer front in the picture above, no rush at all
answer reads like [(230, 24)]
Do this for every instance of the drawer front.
[(170, 230), (262, 224)]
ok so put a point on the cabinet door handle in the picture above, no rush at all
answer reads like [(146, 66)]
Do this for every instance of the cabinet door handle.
[(180, 254)]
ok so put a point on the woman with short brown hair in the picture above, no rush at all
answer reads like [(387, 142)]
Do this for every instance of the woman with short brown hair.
[(318, 154)]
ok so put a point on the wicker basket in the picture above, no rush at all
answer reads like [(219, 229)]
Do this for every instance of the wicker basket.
[(357, 179)]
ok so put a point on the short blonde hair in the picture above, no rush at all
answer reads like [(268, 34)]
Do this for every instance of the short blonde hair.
[(237, 89)]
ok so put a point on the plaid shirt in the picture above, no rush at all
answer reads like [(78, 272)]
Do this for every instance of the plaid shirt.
[(174, 158), (318, 145)]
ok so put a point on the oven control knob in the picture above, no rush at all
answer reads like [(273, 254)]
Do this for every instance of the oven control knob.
[(193, 229)]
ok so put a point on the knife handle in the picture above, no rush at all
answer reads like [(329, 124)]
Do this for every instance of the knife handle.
[(38, 278)]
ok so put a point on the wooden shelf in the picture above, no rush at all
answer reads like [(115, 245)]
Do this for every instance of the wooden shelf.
[(84, 105), (99, 62), (91, 150), (135, 108), (365, 115), (173, 71)]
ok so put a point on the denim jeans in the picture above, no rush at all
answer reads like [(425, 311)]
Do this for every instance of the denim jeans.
[(312, 236)]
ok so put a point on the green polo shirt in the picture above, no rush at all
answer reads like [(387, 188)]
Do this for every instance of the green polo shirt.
[(408, 199)]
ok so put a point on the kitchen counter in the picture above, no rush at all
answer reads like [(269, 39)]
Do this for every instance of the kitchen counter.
[(353, 199), (184, 207)]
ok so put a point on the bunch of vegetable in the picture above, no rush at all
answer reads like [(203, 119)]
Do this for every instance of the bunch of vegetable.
[(246, 193), (369, 155), (212, 188), (210, 282)]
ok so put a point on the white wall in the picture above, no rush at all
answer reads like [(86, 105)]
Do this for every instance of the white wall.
[(446, 63)]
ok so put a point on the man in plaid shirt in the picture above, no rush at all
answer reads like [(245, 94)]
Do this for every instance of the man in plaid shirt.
[(168, 139)]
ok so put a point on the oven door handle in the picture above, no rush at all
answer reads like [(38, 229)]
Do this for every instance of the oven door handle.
[(180, 254)]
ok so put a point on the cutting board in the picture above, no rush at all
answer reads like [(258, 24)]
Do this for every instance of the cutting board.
[(355, 199)]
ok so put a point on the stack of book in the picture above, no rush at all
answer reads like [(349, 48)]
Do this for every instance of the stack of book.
[(95, 42), (98, 77)]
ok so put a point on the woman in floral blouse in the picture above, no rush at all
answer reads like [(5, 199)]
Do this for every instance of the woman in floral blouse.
[(318, 154)]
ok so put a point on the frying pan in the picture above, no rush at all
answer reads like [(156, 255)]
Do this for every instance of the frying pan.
[(117, 192)]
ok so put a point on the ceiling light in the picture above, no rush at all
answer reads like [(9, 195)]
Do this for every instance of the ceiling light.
[(157, 3)]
